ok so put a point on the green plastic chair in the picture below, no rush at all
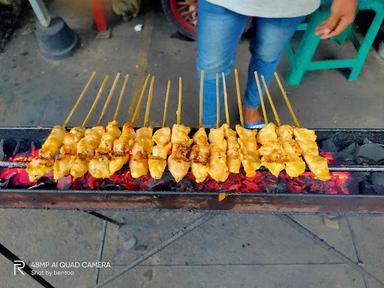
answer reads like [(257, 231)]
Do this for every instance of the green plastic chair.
[(301, 59)]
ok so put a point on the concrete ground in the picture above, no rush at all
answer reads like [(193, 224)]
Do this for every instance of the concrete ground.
[(182, 249)]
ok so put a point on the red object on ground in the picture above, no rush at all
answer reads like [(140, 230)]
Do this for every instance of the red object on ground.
[(98, 12)]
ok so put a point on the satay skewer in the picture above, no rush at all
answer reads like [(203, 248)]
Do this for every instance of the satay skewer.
[(217, 164), (99, 165), (44, 163), (178, 161), (272, 153), (157, 160), (217, 101), (227, 119), (249, 154), (143, 144), (138, 105), (98, 96), (87, 146), (287, 100), (122, 146), (233, 155), (261, 97), (85, 89), (120, 100), (199, 155), (68, 152), (201, 94), (149, 102), (109, 98), (178, 113), (277, 118), (166, 103)]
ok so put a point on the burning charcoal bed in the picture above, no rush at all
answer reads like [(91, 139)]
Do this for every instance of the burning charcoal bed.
[(355, 156)]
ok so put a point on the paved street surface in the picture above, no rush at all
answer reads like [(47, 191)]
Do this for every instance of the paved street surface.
[(182, 248)]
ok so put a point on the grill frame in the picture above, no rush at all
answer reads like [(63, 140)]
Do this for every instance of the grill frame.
[(248, 202)]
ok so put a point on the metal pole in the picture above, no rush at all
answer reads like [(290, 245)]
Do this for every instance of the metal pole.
[(41, 12)]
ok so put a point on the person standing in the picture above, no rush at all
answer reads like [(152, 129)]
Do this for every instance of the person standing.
[(220, 26)]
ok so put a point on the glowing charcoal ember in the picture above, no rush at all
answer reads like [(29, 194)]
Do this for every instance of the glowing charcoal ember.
[(17, 177)]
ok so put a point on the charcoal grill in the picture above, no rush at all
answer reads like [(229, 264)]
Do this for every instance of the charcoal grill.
[(357, 184)]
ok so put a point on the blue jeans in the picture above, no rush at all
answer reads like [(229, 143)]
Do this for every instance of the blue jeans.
[(219, 32)]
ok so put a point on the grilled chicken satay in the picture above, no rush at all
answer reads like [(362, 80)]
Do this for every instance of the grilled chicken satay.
[(249, 155), (38, 167), (271, 150), (200, 155), (98, 166), (217, 166), (52, 143), (294, 165), (43, 164), (157, 161), (233, 155), (306, 139), (142, 147), (122, 147), (86, 150), (68, 151), (178, 161)]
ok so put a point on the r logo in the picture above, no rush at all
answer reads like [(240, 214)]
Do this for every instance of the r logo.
[(18, 266)]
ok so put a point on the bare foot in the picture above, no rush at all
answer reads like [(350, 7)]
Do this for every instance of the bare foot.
[(252, 115)]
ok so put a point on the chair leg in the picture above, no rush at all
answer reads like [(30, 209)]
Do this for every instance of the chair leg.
[(366, 45), (306, 49)]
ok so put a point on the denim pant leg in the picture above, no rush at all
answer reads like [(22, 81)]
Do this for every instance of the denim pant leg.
[(268, 41), (219, 32)]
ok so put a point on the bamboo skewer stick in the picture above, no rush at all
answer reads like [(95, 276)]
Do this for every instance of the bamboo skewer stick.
[(201, 99), (138, 105), (287, 100), (166, 103), (179, 102), (109, 98), (261, 97), (82, 94), (149, 101), (239, 103), (228, 120), (277, 118), (122, 91), (95, 101), (217, 101)]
